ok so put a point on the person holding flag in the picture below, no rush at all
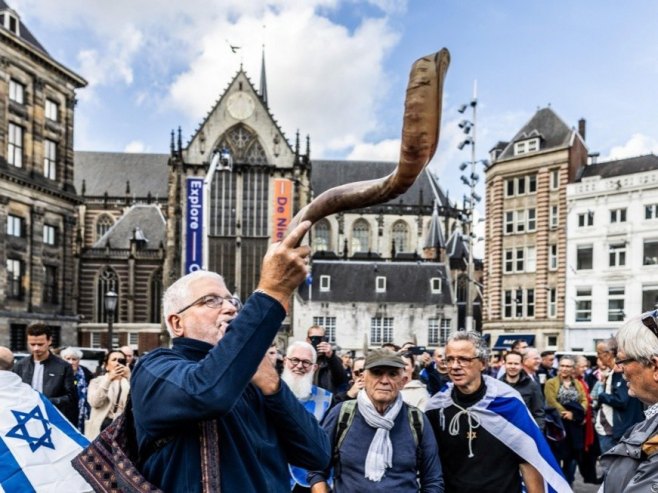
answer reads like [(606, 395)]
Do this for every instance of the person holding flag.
[(488, 440), (37, 442)]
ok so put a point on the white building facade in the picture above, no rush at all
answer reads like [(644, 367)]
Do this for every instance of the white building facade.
[(612, 248)]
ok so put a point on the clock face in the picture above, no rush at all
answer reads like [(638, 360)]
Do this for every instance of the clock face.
[(240, 105)]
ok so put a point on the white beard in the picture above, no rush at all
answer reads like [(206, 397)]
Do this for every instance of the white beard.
[(300, 385)]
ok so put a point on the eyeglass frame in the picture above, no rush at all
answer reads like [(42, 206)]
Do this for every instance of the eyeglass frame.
[(306, 363), (625, 361), (461, 361), (233, 300)]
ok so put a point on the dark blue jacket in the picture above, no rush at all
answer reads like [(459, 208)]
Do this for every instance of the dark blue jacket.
[(627, 410), (174, 389)]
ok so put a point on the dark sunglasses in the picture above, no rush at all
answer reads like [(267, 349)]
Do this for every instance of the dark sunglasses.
[(358, 373), (649, 321)]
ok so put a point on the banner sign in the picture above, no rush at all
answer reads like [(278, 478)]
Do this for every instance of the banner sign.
[(194, 225), (282, 208)]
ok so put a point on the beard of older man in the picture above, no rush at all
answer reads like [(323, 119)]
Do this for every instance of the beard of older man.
[(300, 385)]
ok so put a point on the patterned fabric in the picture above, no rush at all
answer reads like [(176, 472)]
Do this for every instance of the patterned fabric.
[(566, 394), (83, 406), (652, 411), (109, 463)]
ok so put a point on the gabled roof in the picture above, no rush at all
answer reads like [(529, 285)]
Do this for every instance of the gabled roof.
[(145, 222), (621, 167), (352, 282), (329, 173), (24, 33), (545, 123), (109, 171)]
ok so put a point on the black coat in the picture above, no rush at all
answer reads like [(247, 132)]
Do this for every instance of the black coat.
[(58, 383), (531, 394)]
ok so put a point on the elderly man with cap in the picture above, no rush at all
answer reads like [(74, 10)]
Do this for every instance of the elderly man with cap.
[(378, 440), (632, 464)]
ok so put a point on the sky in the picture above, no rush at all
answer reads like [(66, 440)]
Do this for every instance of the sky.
[(337, 69)]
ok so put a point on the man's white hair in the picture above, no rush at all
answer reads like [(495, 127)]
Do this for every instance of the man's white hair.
[(302, 345), (637, 341), (176, 295)]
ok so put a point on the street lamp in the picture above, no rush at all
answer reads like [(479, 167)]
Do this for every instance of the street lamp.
[(110, 307)]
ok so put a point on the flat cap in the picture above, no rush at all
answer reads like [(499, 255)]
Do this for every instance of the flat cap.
[(383, 357)]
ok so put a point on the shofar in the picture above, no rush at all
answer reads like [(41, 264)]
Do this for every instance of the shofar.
[(420, 137)]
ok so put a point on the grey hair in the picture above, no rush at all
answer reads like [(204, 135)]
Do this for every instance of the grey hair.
[(175, 297), (303, 345), (481, 349), (569, 358), (70, 352), (637, 341)]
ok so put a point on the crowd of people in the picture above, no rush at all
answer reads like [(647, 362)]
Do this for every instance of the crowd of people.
[(223, 408)]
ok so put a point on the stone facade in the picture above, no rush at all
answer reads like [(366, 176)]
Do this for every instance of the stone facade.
[(37, 195)]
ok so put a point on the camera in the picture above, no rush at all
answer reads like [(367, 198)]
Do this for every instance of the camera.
[(417, 350), (315, 340), (122, 361)]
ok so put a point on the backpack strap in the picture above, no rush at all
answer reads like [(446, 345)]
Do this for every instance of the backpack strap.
[(416, 422), (345, 418)]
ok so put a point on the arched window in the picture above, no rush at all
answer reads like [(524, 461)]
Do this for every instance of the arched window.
[(400, 236), (360, 236), (156, 297), (322, 236), (103, 225), (107, 281), (462, 288)]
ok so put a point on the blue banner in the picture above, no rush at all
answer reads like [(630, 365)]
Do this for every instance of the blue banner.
[(194, 225)]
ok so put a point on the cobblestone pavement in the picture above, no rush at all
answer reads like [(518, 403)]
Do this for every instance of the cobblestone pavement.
[(580, 487)]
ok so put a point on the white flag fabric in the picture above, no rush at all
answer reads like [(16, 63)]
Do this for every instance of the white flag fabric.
[(37, 442)]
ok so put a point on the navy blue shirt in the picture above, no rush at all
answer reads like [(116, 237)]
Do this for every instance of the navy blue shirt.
[(174, 389)]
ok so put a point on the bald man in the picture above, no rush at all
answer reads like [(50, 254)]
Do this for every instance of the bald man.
[(6, 359)]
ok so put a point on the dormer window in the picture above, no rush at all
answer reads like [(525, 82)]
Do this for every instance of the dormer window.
[(380, 284), (435, 285), (325, 283), (9, 20), (525, 146)]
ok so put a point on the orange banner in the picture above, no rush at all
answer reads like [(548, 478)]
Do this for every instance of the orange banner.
[(282, 208)]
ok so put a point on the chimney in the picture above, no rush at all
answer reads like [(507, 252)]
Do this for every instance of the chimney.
[(581, 127)]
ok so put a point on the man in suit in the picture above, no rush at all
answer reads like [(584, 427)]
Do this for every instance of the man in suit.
[(47, 373)]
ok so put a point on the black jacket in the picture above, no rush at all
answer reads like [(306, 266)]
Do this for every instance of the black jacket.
[(58, 383), (627, 410), (532, 396), (330, 374)]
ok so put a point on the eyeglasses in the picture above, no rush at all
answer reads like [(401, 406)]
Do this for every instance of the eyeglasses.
[(649, 321), (625, 361), (214, 301), (306, 364), (460, 360)]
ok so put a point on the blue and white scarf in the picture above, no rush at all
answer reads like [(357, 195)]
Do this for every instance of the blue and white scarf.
[(83, 406), (503, 413)]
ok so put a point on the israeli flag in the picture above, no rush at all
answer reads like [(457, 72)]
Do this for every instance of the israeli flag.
[(37, 443), (503, 413)]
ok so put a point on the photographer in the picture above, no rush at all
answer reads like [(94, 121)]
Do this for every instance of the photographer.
[(330, 375), (108, 393)]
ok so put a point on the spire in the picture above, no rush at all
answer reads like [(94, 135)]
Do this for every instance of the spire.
[(263, 80), (308, 148), (172, 146), (434, 237)]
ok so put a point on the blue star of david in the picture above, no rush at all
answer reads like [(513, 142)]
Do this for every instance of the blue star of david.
[(20, 430)]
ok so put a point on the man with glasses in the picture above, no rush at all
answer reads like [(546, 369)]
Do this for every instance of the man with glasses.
[(631, 464), (211, 413), (299, 366), (488, 440)]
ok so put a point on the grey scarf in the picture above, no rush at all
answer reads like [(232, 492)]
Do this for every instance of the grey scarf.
[(380, 453)]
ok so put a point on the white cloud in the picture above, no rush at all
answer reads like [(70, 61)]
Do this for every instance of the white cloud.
[(637, 145), (136, 146), (384, 150)]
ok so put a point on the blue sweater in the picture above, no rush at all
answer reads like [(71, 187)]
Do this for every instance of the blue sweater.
[(174, 389), (401, 477)]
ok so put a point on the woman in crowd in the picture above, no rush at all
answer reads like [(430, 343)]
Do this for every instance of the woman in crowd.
[(356, 384), (82, 378), (108, 393), (566, 394), (632, 464), (414, 391)]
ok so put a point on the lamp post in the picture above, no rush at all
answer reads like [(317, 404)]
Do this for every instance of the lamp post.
[(471, 181), (222, 160), (110, 307)]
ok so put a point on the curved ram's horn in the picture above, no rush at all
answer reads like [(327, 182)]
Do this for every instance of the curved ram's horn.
[(420, 137)]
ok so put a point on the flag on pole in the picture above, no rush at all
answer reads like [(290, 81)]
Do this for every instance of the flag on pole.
[(37, 443)]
